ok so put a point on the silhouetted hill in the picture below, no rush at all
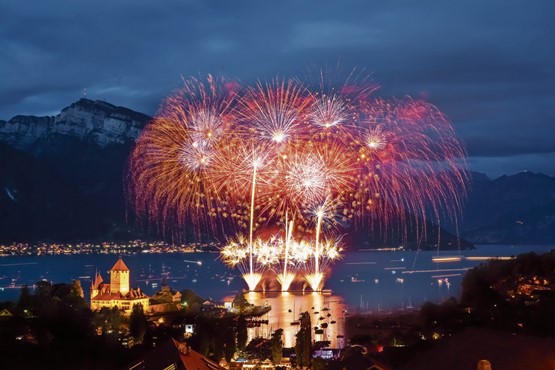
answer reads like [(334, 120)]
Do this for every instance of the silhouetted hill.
[(491, 199), (510, 209), (37, 201), (61, 177), (432, 239), (533, 226)]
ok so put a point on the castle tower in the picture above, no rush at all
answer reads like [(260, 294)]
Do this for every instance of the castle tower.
[(95, 286), (119, 278)]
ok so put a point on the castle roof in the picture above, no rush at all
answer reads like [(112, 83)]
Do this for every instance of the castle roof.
[(135, 294), (97, 280), (172, 354), (119, 266), (105, 295)]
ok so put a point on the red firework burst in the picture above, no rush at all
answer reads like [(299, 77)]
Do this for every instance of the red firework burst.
[(216, 155)]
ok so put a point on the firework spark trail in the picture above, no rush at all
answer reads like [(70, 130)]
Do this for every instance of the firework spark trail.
[(320, 215), (328, 111), (325, 253), (251, 279), (179, 146), (284, 277), (218, 157), (273, 112)]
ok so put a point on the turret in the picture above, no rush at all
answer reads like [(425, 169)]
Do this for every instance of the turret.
[(119, 278), (95, 286)]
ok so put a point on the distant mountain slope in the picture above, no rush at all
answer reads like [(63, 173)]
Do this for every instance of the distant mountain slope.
[(533, 226), (38, 202), (489, 200), (92, 122), (61, 178), (510, 209), (433, 239)]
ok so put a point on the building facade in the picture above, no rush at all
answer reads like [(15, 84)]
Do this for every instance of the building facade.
[(117, 293)]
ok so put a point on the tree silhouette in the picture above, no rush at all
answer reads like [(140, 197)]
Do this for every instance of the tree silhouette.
[(277, 346), (138, 322), (230, 343), (25, 302), (304, 341), (241, 333)]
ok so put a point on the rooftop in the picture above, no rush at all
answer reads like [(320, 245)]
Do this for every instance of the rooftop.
[(503, 350), (119, 266)]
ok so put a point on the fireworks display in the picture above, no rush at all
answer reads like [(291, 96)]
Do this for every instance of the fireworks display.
[(279, 168)]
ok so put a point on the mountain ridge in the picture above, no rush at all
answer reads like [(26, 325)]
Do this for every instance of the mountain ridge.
[(96, 122), (492, 203)]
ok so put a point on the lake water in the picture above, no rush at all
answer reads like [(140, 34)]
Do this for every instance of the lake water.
[(327, 312), (364, 281)]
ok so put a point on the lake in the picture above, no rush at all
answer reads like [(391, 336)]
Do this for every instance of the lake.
[(365, 280)]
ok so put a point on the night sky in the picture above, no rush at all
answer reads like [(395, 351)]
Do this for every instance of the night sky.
[(489, 65)]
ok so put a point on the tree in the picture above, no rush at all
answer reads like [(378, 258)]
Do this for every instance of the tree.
[(45, 305), (191, 300), (219, 341), (477, 291), (429, 314), (304, 341), (25, 302), (164, 295), (204, 343), (107, 319), (319, 363), (76, 297), (241, 333), (240, 302), (277, 346), (138, 322), (258, 348), (230, 343), (76, 289)]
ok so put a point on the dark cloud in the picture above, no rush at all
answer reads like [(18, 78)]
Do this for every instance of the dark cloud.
[(487, 64)]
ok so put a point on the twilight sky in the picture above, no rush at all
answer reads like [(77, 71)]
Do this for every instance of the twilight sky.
[(489, 65)]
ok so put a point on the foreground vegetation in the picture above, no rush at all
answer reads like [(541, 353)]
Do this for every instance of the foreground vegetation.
[(54, 326), (515, 296)]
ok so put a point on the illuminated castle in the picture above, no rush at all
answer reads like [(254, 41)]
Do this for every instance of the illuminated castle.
[(117, 293)]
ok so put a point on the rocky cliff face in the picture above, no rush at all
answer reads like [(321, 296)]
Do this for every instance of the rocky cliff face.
[(95, 122), (61, 178)]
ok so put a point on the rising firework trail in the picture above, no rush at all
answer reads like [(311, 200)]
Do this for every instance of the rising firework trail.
[(285, 277), (252, 278), (315, 283), (234, 160)]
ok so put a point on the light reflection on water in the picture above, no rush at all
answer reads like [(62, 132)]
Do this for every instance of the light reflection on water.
[(367, 280), (287, 307)]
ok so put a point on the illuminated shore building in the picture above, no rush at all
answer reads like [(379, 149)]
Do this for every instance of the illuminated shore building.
[(117, 293)]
